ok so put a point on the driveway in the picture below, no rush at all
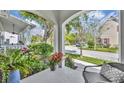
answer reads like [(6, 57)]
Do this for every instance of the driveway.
[(96, 54)]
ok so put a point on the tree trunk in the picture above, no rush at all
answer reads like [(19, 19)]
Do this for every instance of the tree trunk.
[(94, 41), (80, 51)]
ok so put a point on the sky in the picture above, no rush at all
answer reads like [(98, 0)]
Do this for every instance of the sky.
[(100, 14)]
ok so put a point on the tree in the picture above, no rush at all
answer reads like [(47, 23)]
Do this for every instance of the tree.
[(94, 28), (48, 26), (35, 39), (71, 38), (78, 24), (49, 29)]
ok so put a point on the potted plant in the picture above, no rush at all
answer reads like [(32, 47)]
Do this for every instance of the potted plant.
[(13, 71), (69, 63), (54, 60), (16, 65)]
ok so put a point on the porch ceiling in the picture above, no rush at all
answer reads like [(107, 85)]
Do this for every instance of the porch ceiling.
[(7, 24), (57, 16)]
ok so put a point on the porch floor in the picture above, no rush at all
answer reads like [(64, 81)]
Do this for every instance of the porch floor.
[(60, 75)]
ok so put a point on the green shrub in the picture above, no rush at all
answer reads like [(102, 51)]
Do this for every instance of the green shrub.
[(107, 46), (26, 62), (41, 49), (4, 61), (90, 44), (69, 63)]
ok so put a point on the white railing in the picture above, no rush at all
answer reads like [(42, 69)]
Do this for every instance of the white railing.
[(3, 48), (12, 46)]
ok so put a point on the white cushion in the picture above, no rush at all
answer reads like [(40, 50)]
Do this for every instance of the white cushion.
[(111, 73)]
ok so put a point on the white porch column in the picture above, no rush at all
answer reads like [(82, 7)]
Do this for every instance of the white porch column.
[(60, 43), (121, 39)]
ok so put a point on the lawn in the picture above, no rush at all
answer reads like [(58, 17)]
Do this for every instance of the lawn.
[(87, 59), (112, 50)]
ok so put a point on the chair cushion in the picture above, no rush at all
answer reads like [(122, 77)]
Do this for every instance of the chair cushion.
[(119, 66), (94, 77), (111, 73)]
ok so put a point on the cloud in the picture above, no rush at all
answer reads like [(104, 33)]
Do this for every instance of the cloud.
[(96, 14)]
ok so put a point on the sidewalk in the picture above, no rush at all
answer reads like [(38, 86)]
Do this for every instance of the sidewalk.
[(85, 63)]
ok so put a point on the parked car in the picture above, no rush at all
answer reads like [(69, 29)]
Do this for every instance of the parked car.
[(77, 45), (84, 45)]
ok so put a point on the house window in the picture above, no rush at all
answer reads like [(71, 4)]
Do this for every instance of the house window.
[(106, 40), (108, 28)]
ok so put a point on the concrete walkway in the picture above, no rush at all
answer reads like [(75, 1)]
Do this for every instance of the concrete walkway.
[(60, 75)]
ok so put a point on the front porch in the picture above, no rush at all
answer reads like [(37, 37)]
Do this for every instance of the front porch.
[(64, 74)]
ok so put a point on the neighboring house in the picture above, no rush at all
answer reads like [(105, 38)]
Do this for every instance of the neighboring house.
[(15, 26), (110, 33), (8, 38)]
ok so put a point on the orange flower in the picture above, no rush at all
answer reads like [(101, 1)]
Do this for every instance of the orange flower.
[(56, 57)]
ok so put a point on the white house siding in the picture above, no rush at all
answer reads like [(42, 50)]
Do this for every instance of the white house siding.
[(110, 30)]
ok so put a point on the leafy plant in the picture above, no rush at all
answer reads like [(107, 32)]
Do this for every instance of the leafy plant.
[(4, 61), (42, 49), (90, 44), (69, 63)]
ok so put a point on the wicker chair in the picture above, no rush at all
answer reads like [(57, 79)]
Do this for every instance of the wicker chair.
[(95, 77)]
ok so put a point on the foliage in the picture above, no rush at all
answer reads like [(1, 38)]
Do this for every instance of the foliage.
[(49, 29), (71, 38), (35, 39), (48, 26), (4, 61), (33, 65), (90, 44), (76, 24), (69, 63), (89, 37), (107, 46), (42, 49), (31, 16), (17, 61), (25, 59)]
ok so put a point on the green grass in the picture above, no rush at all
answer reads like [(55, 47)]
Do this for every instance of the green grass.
[(112, 50), (88, 59)]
